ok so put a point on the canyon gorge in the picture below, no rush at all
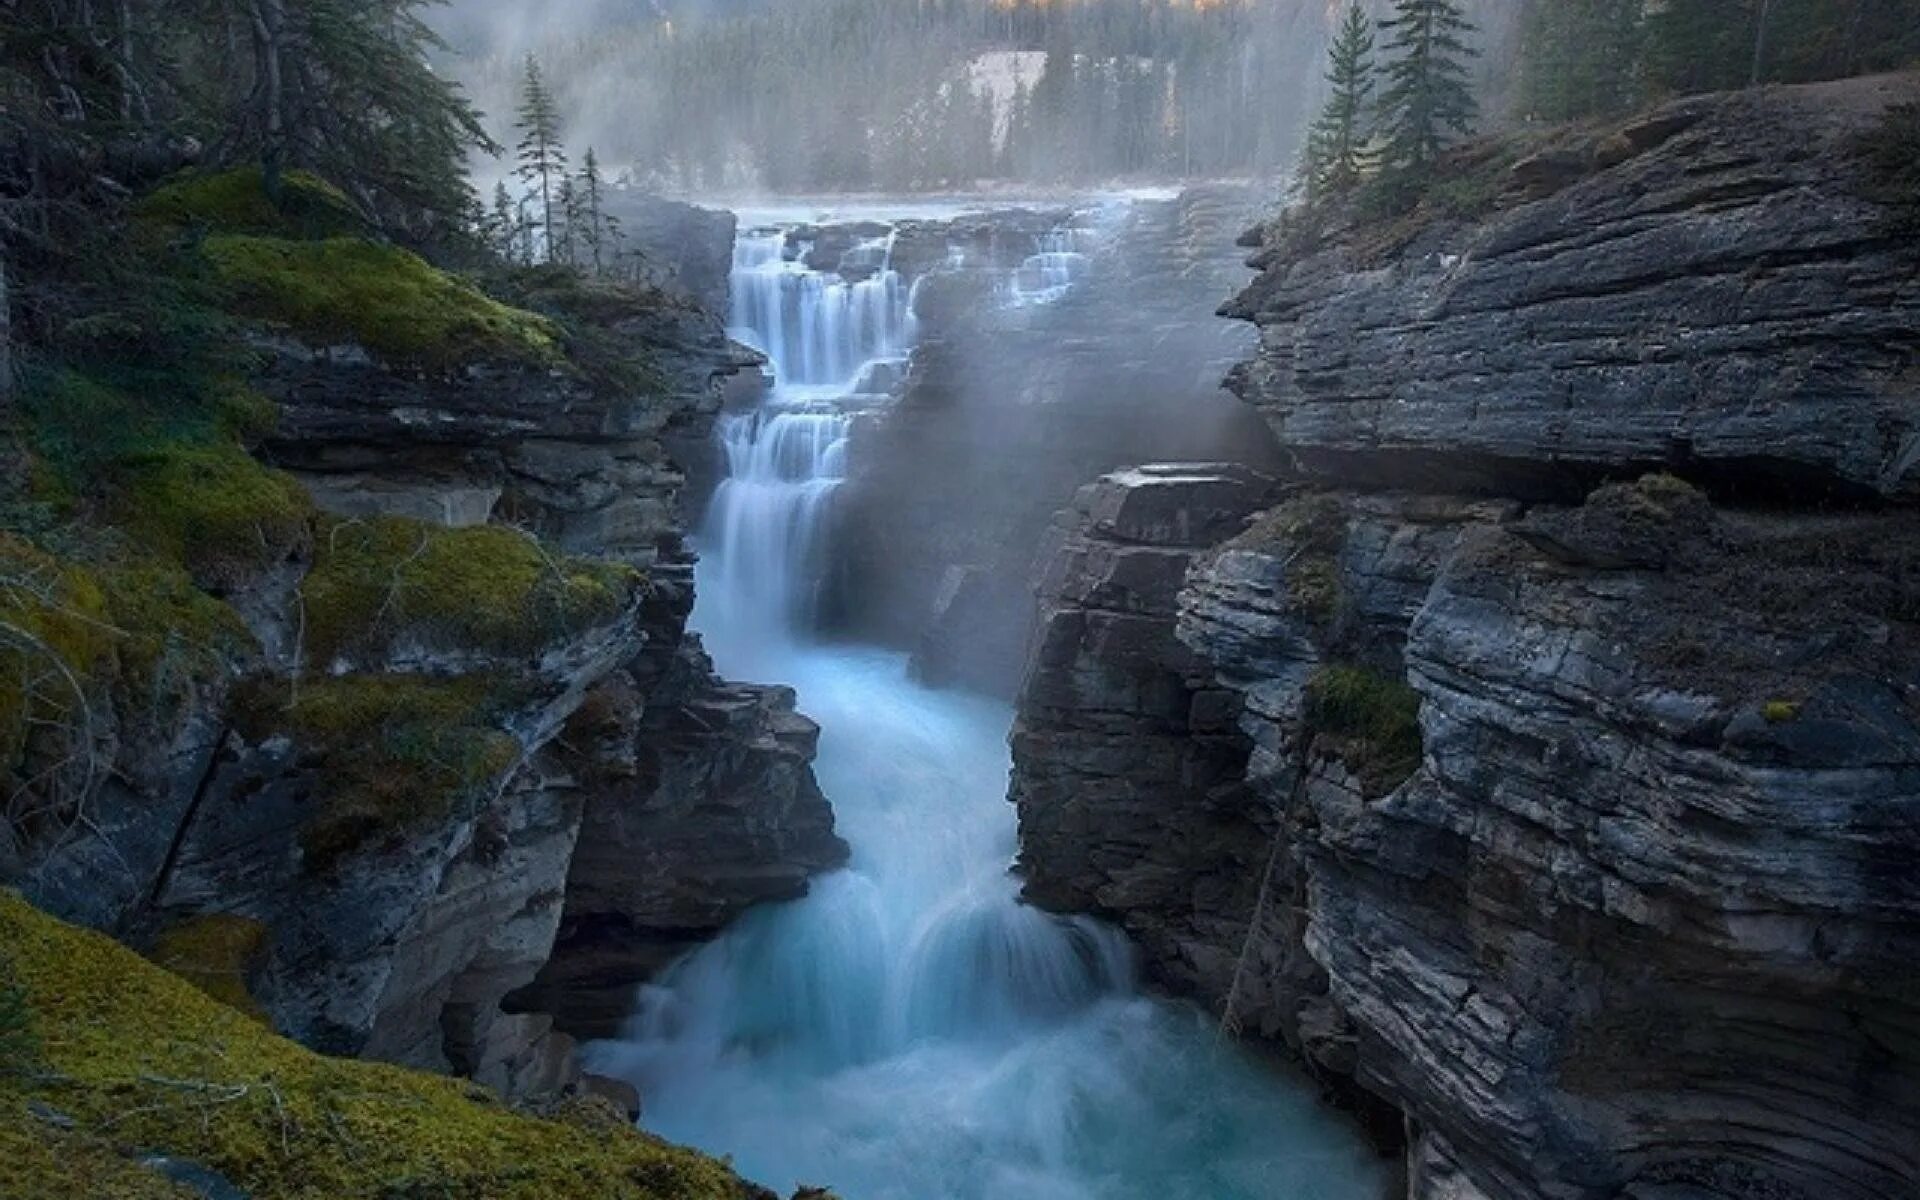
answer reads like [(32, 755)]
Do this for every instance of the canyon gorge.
[(1123, 695)]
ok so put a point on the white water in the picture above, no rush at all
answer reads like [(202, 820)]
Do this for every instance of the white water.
[(909, 1030)]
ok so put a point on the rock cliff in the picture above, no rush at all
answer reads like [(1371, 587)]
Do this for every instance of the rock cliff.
[(459, 643), (1577, 674)]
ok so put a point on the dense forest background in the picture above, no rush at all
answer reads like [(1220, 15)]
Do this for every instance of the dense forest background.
[(731, 95)]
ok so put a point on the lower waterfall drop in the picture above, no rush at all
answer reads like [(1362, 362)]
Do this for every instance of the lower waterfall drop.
[(910, 1030)]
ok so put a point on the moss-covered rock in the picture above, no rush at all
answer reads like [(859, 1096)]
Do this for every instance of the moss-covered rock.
[(237, 202), (388, 300), (486, 587), (140, 1060), (390, 752), (1372, 721), (216, 953), (216, 509)]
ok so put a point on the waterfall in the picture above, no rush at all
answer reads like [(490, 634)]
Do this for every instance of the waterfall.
[(829, 340), (910, 1030)]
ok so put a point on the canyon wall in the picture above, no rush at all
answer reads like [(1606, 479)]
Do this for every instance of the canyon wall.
[(1576, 672), (464, 747)]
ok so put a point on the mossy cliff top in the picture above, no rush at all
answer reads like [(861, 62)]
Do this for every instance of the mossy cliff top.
[(237, 202), (143, 1063), (388, 300)]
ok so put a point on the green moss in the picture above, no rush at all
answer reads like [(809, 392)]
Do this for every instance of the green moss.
[(139, 1058), (486, 587), (55, 634), (380, 297), (1372, 720), (78, 639), (1313, 589), (38, 1160), (215, 953), (1779, 712), (214, 508), (390, 752), (237, 202), (169, 633)]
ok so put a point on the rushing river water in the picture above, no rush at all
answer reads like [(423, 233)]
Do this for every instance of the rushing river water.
[(910, 1030)]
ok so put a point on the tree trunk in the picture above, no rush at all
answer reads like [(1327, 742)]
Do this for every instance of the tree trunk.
[(269, 36)]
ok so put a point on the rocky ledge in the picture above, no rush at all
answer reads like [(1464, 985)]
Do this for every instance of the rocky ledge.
[(1579, 802)]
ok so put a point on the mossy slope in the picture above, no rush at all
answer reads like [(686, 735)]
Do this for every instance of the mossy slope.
[(142, 1061), (389, 300)]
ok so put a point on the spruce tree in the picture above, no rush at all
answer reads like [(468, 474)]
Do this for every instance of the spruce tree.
[(1427, 99), (504, 224), (598, 230), (543, 160), (1335, 155)]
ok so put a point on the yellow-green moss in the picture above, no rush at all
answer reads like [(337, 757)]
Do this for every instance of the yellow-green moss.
[(236, 202), (487, 587), (141, 1059), (215, 953), (55, 633), (1779, 712), (214, 508), (168, 631), (381, 297), (1373, 721), (390, 752), (39, 1161)]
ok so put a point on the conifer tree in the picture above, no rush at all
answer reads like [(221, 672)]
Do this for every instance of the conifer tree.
[(543, 160), (1581, 58), (1427, 99), (504, 224), (1335, 155), (598, 230)]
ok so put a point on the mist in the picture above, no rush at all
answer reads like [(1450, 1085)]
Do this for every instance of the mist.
[(710, 97)]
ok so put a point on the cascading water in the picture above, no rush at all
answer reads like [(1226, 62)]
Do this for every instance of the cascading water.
[(910, 1030)]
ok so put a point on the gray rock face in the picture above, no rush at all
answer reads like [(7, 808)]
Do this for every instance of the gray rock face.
[(1715, 296), (679, 246), (1581, 833), (699, 806), (1128, 773), (405, 946)]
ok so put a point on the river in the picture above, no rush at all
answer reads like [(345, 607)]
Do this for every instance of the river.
[(910, 1030)]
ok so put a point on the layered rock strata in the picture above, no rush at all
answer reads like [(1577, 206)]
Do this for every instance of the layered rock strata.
[(477, 653), (1589, 795)]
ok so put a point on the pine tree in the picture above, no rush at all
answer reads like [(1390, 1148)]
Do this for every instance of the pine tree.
[(543, 160), (599, 231), (1427, 98), (503, 225), (1336, 155)]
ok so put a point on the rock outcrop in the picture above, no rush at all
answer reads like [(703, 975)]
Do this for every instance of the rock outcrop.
[(465, 651), (1581, 802), (1710, 289)]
